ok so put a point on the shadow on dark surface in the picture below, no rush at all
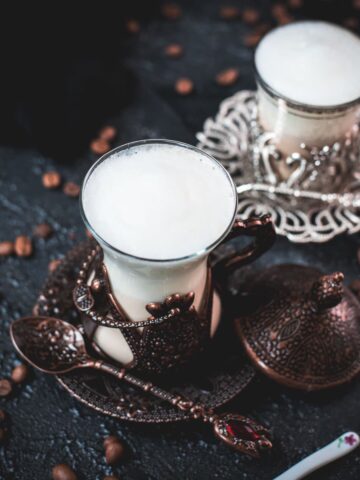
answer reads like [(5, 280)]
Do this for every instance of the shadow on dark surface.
[(63, 74)]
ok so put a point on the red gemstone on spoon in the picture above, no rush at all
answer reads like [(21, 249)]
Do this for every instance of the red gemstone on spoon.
[(241, 430)]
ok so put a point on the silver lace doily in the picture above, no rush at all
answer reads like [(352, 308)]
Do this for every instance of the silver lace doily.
[(302, 208)]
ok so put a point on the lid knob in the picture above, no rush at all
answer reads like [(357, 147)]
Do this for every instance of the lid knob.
[(328, 290)]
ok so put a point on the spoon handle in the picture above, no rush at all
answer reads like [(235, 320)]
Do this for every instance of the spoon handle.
[(239, 432), (336, 449)]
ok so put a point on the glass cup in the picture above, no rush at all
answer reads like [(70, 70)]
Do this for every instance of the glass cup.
[(136, 282), (295, 125)]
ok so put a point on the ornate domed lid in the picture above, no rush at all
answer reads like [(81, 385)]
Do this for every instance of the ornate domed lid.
[(301, 328)]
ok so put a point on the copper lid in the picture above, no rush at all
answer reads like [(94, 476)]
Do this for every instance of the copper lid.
[(301, 328)]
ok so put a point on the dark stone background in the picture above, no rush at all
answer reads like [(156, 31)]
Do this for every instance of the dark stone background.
[(51, 107)]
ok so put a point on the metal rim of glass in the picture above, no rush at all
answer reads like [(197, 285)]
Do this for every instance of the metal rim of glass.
[(137, 143), (299, 105)]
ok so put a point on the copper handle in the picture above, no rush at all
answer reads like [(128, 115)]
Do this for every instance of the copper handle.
[(263, 232)]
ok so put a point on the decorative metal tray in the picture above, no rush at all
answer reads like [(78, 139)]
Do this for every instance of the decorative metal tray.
[(299, 213), (223, 372)]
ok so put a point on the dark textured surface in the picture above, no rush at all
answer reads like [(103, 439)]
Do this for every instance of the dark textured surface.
[(49, 427)]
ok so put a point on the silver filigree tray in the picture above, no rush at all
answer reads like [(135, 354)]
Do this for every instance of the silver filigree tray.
[(302, 208)]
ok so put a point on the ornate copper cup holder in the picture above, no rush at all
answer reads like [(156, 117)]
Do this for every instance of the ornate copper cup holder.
[(217, 376), (174, 332)]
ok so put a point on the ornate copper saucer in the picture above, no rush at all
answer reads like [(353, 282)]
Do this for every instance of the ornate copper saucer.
[(300, 327), (221, 373)]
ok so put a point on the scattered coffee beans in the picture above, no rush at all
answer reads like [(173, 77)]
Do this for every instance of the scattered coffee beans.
[(71, 189), (295, 3), (281, 14), (114, 452), (278, 10), (171, 11), (51, 179), (174, 50), (53, 264), (133, 26), (6, 248), (252, 39), (351, 22), (2, 416), (250, 16), (5, 387), (184, 86), (43, 230), (19, 373), (229, 13), (108, 133), (63, 472), (227, 77), (23, 246), (110, 439), (99, 146)]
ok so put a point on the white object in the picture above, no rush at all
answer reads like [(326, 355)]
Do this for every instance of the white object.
[(157, 208), (343, 445), (308, 84)]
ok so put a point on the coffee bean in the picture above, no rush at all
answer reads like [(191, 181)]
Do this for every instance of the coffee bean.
[(352, 23), (356, 4), (2, 416), (229, 13), (281, 14), (252, 39), (6, 248), (5, 387), (278, 10), (53, 265), (110, 439), (19, 373), (184, 86), (110, 477), (71, 189), (23, 246), (133, 26), (227, 77), (108, 133), (285, 19), (2, 435), (43, 230), (250, 16), (51, 179), (63, 472), (171, 11), (114, 453), (99, 146), (262, 28), (295, 3), (174, 50)]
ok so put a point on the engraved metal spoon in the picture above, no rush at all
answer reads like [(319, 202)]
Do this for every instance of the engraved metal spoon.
[(56, 347)]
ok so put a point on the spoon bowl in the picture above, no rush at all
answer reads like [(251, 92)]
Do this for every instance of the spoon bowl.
[(49, 344)]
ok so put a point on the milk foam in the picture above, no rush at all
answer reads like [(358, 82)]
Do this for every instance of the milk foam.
[(159, 201), (315, 63)]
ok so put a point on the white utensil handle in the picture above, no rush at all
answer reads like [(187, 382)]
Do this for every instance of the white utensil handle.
[(336, 449)]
